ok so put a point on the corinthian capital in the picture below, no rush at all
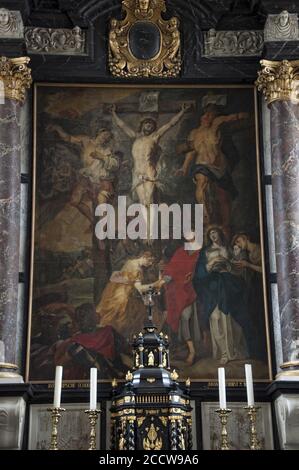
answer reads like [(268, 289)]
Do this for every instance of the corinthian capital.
[(15, 76), (279, 80)]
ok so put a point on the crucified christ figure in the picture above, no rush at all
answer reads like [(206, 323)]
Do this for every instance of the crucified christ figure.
[(146, 152)]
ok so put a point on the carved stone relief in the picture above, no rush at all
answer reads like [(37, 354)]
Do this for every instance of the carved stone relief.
[(55, 41), (233, 43), (12, 417), (287, 415), (282, 27), (11, 24)]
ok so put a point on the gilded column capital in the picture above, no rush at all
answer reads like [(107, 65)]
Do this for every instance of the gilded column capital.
[(279, 80), (15, 76)]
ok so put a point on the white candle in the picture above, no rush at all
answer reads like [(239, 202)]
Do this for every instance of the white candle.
[(222, 391), (57, 389), (249, 384), (93, 388)]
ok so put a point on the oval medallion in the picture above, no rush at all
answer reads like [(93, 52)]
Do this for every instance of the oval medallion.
[(144, 40)]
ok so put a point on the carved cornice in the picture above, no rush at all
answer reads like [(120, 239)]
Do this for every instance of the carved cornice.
[(16, 76), (279, 80)]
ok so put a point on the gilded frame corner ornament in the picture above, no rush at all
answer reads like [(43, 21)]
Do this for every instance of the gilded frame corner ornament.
[(278, 81), (165, 62)]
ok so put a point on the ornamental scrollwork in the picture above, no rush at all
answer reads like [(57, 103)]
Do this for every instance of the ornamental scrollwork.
[(55, 41), (143, 44), (233, 43)]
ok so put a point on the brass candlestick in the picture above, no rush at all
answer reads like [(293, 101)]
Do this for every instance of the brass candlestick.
[(93, 418), (55, 415), (252, 412), (223, 415)]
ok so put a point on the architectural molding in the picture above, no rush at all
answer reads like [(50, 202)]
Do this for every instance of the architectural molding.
[(279, 80), (93, 17), (282, 27), (16, 77), (233, 43), (9, 371), (55, 41), (11, 24)]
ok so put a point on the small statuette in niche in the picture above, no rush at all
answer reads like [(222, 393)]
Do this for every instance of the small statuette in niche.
[(151, 359)]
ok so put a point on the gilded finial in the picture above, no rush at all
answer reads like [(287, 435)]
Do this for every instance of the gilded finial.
[(114, 383), (174, 375), (129, 376)]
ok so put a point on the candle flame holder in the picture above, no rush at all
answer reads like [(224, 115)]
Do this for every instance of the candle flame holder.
[(252, 415), (93, 418), (55, 415), (223, 414)]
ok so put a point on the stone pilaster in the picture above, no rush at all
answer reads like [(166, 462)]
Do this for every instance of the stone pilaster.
[(279, 83), (15, 78)]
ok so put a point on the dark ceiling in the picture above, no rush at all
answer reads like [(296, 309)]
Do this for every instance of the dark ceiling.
[(196, 16), (220, 14)]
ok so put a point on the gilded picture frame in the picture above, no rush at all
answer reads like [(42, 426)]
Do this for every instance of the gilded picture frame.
[(66, 273)]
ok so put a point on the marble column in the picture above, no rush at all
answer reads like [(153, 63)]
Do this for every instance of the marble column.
[(15, 78), (279, 83)]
